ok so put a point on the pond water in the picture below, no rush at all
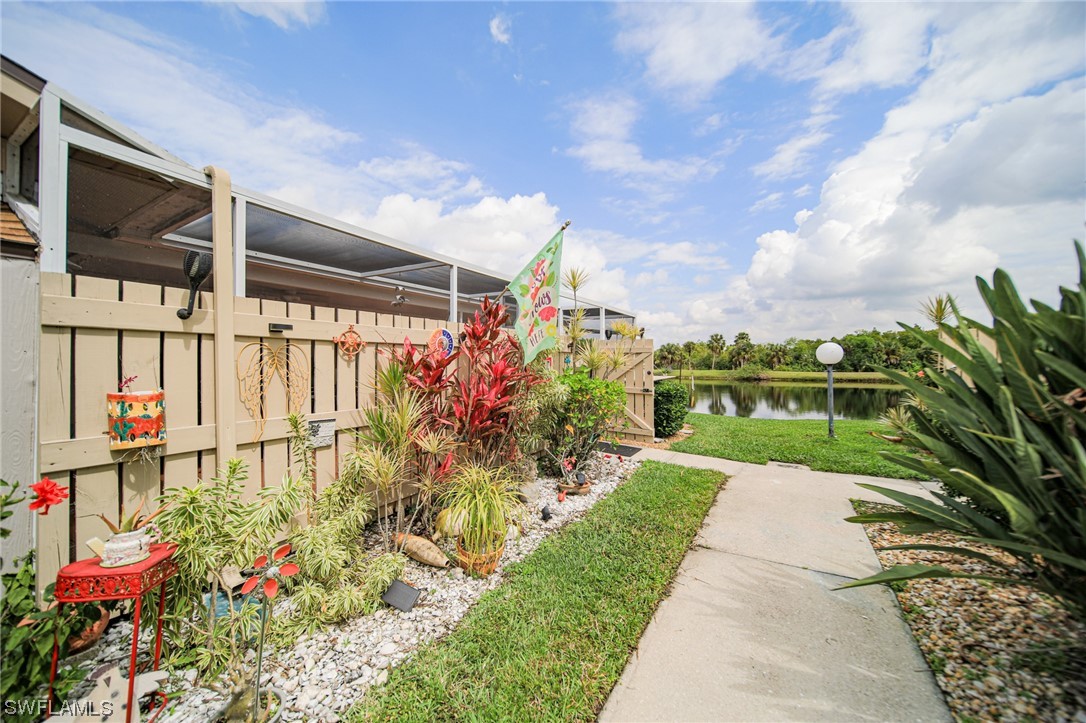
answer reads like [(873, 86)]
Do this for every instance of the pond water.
[(764, 400)]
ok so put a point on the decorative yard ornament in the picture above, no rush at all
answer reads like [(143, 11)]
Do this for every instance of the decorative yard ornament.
[(269, 570), (257, 365), (536, 290), (422, 550), (108, 699), (441, 342), (197, 266), (349, 342)]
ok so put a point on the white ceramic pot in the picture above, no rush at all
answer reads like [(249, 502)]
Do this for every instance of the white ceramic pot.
[(126, 548)]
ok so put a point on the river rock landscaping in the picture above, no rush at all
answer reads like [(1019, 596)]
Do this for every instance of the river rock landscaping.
[(999, 653), (323, 674)]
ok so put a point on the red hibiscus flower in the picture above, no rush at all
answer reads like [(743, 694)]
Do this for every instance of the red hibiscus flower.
[(547, 313), (47, 493)]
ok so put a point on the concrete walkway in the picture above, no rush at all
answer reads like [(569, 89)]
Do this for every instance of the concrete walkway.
[(753, 630)]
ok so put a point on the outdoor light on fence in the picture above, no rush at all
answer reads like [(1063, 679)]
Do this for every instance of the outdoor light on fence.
[(197, 267), (829, 354)]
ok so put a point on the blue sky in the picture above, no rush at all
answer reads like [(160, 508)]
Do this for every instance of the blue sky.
[(787, 169)]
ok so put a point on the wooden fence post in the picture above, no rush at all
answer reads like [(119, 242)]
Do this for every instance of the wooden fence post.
[(222, 241)]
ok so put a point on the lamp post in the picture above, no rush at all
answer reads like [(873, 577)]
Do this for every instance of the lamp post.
[(829, 354)]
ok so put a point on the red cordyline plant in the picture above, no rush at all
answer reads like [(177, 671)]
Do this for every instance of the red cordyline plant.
[(482, 406), (430, 373)]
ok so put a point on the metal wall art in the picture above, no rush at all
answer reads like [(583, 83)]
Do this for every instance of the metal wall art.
[(349, 342), (258, 363)]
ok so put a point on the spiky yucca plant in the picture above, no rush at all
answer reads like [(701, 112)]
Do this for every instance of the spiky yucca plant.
[(1006, 432)]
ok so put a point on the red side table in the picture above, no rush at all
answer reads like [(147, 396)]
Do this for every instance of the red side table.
[(88, 581)]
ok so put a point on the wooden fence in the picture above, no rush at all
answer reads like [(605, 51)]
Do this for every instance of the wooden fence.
[(96, 332)]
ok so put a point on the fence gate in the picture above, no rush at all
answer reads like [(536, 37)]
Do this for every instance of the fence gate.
[(635, 374)]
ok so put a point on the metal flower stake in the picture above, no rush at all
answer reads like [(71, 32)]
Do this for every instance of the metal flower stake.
[(268, 573)]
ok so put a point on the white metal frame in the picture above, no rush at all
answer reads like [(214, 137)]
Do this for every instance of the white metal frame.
[(56, 139)]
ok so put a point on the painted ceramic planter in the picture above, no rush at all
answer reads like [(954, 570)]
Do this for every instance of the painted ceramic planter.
[(126, 548), (136, 419)]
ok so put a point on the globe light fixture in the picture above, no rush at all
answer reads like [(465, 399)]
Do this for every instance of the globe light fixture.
[(829, 354)]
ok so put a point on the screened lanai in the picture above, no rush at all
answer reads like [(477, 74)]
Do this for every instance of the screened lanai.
[(112, 204)]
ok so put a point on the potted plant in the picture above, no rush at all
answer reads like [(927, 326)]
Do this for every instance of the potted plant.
[(135, 419), (131, 539), (483, 499)]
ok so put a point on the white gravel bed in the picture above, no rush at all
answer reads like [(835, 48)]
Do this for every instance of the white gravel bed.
[(323, 674)]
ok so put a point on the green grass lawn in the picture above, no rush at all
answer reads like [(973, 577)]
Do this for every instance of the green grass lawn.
[(779, 376), (551, 642), (798, 441)]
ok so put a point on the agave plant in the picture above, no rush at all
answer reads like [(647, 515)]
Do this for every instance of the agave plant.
[(132, 522), (1006, 432)]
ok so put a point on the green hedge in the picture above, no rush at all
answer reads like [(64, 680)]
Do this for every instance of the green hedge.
[(671, 404)]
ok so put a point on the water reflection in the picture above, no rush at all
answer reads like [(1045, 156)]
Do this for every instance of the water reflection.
[(792, 401)]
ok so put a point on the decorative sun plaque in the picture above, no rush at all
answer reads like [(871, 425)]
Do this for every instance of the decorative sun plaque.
[(349, 342)]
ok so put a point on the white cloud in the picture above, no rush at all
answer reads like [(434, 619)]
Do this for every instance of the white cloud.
[(964, 175), (691, 47), (603, 128), (659, 277), (286, 14), (501, 28), (767, 202), (711, 124), (884, 45), (422, 172), (804, 190), (981, 165), (792, 158)]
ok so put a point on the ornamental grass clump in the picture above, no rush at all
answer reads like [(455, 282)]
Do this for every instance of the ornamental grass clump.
[(484, 501), (1005, 433)]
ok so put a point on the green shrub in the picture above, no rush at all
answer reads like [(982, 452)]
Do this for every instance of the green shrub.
[(591, 407), (670, 405), (1005, 433)]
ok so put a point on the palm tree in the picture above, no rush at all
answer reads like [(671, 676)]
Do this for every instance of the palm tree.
[(742, 350), (776, 354), (716, 346), (938, 310), (575, 277)]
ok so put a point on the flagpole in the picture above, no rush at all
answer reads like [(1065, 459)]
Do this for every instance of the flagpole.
[(564, 227)]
